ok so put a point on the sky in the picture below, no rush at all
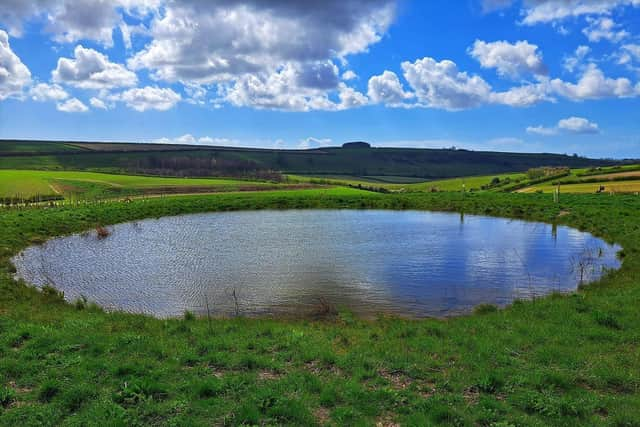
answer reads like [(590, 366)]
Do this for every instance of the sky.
[(558, 76)]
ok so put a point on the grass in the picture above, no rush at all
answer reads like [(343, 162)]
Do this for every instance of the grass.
[(413, 185), (632, 186), (30, 183), (565, 360)]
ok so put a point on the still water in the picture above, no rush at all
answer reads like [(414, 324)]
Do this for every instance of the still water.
[(411, 263)]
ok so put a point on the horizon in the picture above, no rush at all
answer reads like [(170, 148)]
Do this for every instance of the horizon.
[(514, 76)]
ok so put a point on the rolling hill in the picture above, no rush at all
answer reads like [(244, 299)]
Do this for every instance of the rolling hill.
[(356, 160)]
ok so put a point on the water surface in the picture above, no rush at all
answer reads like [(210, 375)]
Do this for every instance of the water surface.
[(411, 263)]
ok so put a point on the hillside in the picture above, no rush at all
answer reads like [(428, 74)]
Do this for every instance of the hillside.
[(357, 161)]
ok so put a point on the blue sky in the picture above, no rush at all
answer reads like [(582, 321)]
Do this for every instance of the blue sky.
[(533, 75)]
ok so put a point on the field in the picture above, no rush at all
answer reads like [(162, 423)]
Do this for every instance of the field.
[(89, 185), (377, 164), (564, 360), (621, 179)]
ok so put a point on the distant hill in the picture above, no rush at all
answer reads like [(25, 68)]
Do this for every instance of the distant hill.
[(352, 159)]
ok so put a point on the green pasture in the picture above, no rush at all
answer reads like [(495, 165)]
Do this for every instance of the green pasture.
[(563, 360)]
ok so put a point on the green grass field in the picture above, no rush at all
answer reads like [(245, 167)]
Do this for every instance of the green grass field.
[(564, 360), (29, 184)]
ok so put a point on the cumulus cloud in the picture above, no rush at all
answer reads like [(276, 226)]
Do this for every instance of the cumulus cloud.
[(386, 88), (545, 11), (604, 28), (73, 20), (594, 85), (350, 98), (90, 69), (241, 48), (148, 98), (573, 125), (574, 61), (442, 85), (349, 75), (290, 89), (541, 130), (98, 103), (629, 53), (189, 139), (509, 59), (277, 54), (14, 75), (197, 41), (522, 96), (550, 11), (312, 142), (578, 125), (43, 92), (73, 105)]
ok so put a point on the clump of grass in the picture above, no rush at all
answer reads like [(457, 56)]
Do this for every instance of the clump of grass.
[(81, 303), (102, 232), (490, 383), (7, 397), (485, 309), (607, 320), (48, 391), (52, 294), (189, 316)]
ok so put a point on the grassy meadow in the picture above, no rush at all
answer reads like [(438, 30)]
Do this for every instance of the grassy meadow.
[(563, 360), (91, 185)]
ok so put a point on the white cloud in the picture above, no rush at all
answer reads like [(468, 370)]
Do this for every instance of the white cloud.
[(43, 92), (604, 28), (574, 61), (574, 125), (292, 89), (189, 139), (90, 69), (148, 98), (73, 20), (14, 75), (545, 11), (350, 98), (578, 125), (312, 142), (349, 75), (442, 85), (522, 96), (594, 85), (98, 103), (511, 60), (629, 53), (541, 130), (386, 88), (199, 42), (73, 105)]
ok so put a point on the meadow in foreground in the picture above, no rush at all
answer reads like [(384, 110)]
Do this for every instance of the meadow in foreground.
[(561, 360)]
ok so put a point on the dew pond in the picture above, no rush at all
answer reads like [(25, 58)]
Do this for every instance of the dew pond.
[(300, 262)]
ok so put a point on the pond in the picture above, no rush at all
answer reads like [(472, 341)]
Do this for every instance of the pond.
[(300, 262)]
